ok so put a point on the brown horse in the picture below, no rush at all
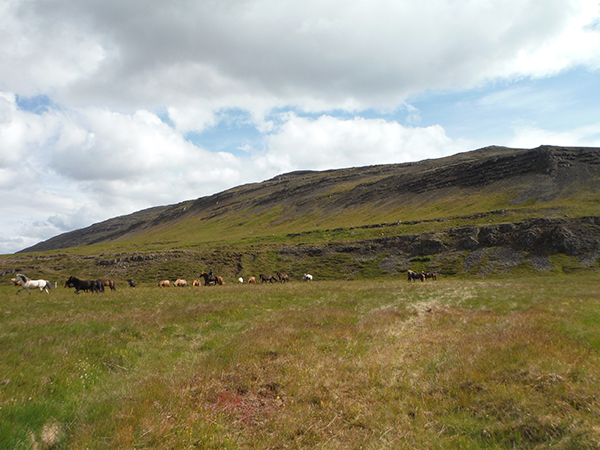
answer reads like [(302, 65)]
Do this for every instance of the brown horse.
[(110, 284), (180, 282), (431, 275), (251, 280), (282, 277), (196, 283), (164, 283)]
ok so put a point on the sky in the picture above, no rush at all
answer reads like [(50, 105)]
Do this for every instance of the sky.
[(108, 107)]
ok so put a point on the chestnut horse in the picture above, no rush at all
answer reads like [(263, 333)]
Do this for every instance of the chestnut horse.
[(110, 284)]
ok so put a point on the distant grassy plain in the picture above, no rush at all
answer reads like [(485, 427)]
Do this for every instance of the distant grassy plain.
[(381, 363)]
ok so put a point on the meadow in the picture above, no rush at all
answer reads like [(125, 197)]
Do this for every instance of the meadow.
[(373, 364)]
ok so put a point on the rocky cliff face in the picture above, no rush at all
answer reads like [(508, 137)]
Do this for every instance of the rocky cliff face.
[(504, 246)]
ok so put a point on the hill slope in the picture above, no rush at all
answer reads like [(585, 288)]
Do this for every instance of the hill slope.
[(530, 182)]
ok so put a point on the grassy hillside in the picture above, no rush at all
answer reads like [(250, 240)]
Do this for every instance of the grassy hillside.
[(543, 182), (370, 364)]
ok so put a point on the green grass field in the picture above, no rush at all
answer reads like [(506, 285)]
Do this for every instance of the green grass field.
[(374, 364)]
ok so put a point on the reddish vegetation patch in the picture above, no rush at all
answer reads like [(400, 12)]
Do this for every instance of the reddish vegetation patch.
[(250, 408)]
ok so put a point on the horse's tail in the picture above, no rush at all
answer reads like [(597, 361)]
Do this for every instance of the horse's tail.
[(48, 284)]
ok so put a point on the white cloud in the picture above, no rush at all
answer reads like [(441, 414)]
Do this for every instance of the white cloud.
[(21, 133), (66, 169), (317, 55), (329, 142), (39, 53), (529, 136)]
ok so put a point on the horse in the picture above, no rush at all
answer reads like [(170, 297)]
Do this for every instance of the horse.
[(196, 283), (15, 281), (98, 286), (431, 275), (28, 284), (240, 280), (180, 283), (282, 277), (80, 285), (264, 278), (132, 283), (251, 280), (209, 280), (164, 283), (415, 276), (110, 284), (307, 277)]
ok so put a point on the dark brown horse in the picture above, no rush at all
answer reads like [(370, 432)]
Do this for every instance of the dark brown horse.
[(264, 278), (415, 276), (211, 280), (431, 275), (81, 285)]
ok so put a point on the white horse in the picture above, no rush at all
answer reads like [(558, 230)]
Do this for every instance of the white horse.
[(33, 284), (307, 277)]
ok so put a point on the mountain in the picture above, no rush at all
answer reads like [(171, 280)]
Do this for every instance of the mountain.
[(491, 210), (473, 182)]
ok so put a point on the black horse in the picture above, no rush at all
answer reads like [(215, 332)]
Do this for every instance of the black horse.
[(98, 286), (81, 285)]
